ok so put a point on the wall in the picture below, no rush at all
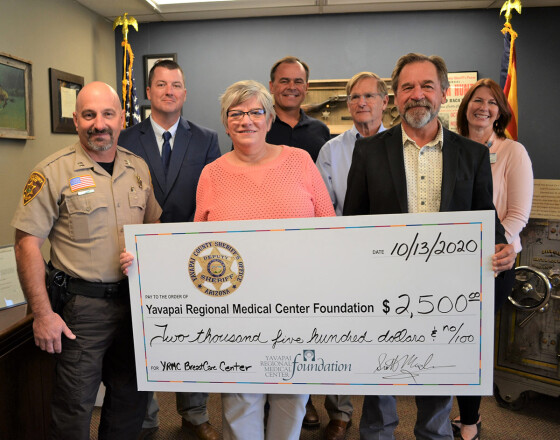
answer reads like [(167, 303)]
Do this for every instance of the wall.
[(216, 53), (53, 33)]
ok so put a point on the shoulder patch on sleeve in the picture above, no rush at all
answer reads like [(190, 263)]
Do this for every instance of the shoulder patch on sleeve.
[(33, 187)]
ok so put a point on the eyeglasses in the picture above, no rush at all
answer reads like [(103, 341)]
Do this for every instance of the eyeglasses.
[(254, 114), (369, 97)]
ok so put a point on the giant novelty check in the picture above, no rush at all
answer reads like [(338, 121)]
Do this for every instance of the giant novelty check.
[(391, 304)]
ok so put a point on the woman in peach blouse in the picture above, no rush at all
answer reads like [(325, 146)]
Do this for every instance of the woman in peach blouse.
[(483, 117), (257, 180)]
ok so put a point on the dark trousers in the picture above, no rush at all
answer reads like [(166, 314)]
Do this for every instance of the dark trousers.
[(190, 406), (469, 405), (102, 351)]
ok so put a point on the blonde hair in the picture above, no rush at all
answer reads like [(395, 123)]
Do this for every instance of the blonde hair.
[(381, 86), (242, 91)]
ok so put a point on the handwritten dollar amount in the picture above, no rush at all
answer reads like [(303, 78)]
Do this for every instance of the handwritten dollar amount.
[(437, 247), (430, 304)]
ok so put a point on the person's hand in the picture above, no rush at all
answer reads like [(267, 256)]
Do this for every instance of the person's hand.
[(126, 259), (47, 330), (504, 258)]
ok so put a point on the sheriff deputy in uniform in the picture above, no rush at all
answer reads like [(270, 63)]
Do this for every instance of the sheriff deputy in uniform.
[(80, 198)]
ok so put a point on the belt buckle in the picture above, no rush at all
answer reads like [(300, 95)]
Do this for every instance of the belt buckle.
[(111, 291)]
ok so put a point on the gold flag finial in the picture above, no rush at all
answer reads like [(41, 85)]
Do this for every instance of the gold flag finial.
[(508, 6), (125, 22)]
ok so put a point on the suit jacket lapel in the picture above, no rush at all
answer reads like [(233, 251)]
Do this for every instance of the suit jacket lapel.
[(449, 173), (149, 144), (180, 147), (395, 154)]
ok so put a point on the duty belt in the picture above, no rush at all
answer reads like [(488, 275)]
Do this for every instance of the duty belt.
[(77, 286)]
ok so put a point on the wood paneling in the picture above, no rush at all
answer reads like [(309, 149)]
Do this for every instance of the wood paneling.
[(26, 383)]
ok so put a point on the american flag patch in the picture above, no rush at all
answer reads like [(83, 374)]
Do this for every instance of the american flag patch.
[(81, 182)]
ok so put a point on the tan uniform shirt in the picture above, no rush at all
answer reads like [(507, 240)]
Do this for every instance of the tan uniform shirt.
[(73, 201)]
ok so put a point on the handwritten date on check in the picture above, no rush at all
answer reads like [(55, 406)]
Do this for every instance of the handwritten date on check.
[(394, 304)]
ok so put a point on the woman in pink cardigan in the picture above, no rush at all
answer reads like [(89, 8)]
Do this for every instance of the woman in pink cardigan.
[(483, 117), (257, 180)]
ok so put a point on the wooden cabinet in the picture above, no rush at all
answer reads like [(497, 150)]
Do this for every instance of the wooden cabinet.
[(26, 383)]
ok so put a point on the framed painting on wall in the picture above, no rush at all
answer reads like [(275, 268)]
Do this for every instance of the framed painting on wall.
[(64, 92), (459, 84), (16, 109), (146, 110), (150, 60)]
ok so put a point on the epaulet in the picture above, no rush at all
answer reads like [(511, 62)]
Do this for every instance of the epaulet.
[(127, 152), (67, 151), (138, 160)]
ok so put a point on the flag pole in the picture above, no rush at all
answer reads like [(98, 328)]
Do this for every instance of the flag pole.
[(125, 22), (508, 70)]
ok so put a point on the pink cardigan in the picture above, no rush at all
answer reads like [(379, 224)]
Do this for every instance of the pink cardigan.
[(290, 186), (512, 175)]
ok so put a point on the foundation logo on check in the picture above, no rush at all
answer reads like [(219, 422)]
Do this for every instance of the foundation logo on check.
[(216, 268)]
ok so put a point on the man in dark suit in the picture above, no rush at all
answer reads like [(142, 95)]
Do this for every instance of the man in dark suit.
[(176, 151), (419, 166)]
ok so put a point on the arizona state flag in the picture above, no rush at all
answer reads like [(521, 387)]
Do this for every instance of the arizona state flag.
[(508, 78)]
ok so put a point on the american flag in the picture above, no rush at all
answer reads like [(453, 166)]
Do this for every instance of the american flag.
[(81, 182), (508, 78), (132, 110)]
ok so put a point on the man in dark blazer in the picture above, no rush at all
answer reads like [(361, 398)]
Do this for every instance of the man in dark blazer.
[(419, 166), (176, 151)]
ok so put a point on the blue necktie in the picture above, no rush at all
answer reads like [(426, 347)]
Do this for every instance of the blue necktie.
[(166, 151)]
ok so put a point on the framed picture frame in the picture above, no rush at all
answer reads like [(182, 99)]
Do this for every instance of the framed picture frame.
[(145, 111), (150, 60), (64, 91), (11, 294), (459, 84), (16, 98)]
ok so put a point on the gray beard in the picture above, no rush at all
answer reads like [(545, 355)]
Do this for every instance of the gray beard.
[(103, 147), (94, 147), (418, 117)]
